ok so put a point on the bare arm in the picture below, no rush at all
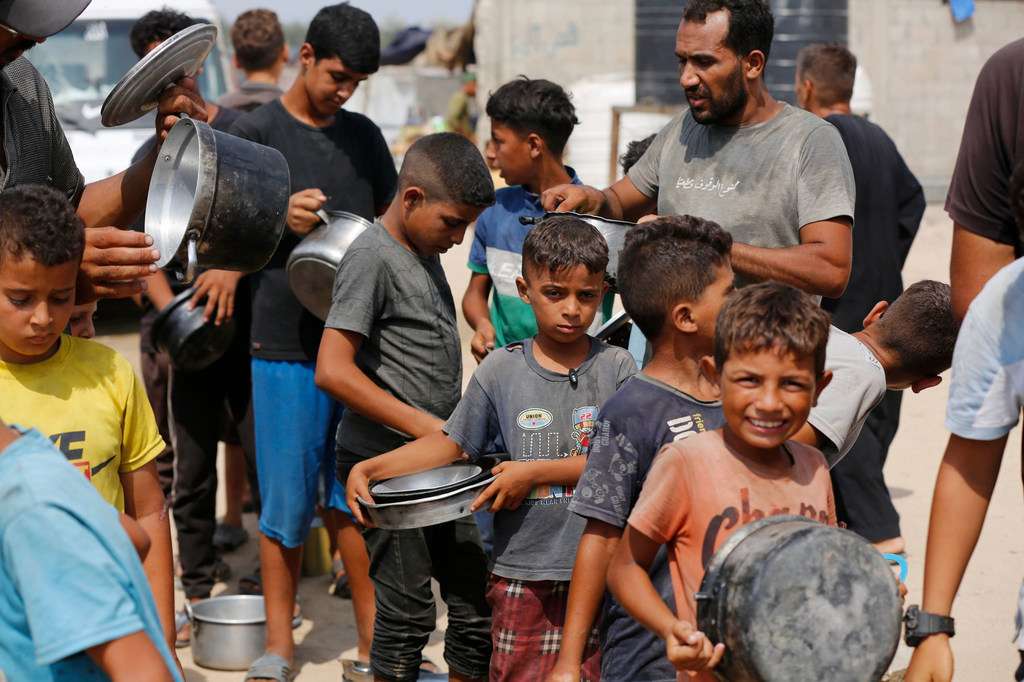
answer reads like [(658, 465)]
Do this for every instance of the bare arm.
[(158, 290), (630, 582), (338, 375), (119, 199), (819, 265), (132, 658), (973, 262), (516, 479), (808, 435), (586, 592), (144, 502), (621, 201), (478, 315)]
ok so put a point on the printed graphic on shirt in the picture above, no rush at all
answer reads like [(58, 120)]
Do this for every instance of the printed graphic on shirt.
[(731, 516), (709, 184), (582, 426), (539, 444), (534, 419), (503, 267), (72, 443), (686, 426)]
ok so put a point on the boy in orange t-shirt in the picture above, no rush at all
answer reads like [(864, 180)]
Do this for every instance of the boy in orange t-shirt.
[(770, 365)]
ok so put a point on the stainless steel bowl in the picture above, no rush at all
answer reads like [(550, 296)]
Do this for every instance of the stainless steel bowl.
[(313, 264), (423, 512), (432, 480), (228, 632)]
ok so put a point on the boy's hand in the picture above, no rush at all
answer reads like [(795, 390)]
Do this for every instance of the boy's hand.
[(302, 208), (218, 287), (690, 649), (483, 341), (513, 483), (358, 485), (932, 661)]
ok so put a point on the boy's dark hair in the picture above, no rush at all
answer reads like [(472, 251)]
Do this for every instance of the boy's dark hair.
[(157, 26), (635, 150), (348, 33), (832, 69), (1017, 197), (39, 221), (257, 38), (535, 106), (751, 24), (667, 261), (447, 167), (921, 329), (563, 241), (772, 317)]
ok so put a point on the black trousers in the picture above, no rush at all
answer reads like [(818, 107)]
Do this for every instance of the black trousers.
[(199, 404), (862, 497)]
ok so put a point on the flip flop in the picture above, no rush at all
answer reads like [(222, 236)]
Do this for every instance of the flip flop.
[(270, 667), (180, 621), (340, 587)]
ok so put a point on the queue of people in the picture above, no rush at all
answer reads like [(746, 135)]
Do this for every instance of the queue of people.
[(764, 276)]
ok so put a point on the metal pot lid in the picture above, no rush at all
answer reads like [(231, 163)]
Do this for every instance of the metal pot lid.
[(138, 91)]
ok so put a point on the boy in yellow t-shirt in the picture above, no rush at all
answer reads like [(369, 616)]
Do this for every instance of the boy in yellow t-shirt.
[(81, 394)]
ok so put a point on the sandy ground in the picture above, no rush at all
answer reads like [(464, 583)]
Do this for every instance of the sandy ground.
[(987, 600)]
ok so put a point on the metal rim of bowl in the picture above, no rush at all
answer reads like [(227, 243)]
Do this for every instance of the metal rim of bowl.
[(228, 621), (423, 494)]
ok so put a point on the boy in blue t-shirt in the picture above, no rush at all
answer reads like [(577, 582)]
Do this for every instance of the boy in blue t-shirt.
[(537, 401), (531, 121), (674, 275), (74, 602)]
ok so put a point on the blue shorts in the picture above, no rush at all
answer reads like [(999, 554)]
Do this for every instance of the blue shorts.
[(295, 431)]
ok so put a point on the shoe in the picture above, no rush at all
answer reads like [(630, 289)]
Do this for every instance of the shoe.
[(229, 538), (182, 629), (340, 587)]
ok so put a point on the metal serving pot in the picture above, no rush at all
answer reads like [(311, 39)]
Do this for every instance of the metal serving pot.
[(191, 342), (428, 498), (613, 231), (314, 263), (216, 200), (793, 599), (229, 632)]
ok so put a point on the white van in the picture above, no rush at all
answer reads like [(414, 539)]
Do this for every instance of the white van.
[(84, 61)]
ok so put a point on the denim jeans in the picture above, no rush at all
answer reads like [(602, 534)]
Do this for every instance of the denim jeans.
[(402, 563)]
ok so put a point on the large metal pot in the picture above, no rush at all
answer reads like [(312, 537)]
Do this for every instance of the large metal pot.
[(216, 200), (428, 498), (793, 599), (189, 340), (313, 264), (613, 231), (229, 632)]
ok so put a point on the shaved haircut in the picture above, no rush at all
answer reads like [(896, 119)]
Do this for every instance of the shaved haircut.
[(832, 69), (447, 167)]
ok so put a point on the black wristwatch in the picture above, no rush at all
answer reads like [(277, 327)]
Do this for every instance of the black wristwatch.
[(921, 625)]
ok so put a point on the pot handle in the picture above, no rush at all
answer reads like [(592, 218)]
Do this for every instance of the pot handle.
[(193, 256), (322, 215), (530, 219), (188, 611)]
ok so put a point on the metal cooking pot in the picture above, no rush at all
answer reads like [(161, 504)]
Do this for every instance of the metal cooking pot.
[(428, 498), (613, 231), (616, 331), (228, 632), (191, 342), (314, 263), (793, 599), (216, 200)]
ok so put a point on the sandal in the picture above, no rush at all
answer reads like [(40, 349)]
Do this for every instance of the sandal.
[(181, 622), (270, 667), (251, 583), (229, 538), (340, 587)]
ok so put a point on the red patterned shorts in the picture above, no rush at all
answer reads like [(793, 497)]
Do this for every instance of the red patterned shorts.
[(526, 630)]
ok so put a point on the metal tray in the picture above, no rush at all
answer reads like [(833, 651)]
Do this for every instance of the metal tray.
[(429, 511), (138, 91)]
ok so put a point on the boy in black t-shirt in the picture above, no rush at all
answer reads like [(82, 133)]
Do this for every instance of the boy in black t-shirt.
[(674, 274), (338, 160)]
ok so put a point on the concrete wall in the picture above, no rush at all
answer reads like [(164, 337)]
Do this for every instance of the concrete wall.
[(563, 41), (922, 68)]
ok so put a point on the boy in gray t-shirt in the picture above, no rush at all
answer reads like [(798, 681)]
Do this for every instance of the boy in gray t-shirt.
[(390, 354), (537, 401)]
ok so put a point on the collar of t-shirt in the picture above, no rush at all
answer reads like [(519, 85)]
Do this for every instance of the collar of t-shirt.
[(640, 376), (550, 375), (257, 86), (532, 200)]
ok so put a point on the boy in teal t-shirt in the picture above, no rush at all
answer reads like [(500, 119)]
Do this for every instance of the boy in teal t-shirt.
[(531, 121)]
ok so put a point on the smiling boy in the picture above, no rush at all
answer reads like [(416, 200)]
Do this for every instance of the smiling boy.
[(769, 362), (81, 394)]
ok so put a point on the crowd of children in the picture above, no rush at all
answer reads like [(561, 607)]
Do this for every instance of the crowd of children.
[(588, 546)]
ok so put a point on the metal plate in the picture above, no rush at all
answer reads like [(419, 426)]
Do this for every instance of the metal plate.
[(423, 481), (429, 511), (138, 91)]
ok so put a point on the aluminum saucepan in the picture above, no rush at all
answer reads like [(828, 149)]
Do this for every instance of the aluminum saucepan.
[(313, 264), (228, 632), (429, 497), (613, 231), (191, 342)]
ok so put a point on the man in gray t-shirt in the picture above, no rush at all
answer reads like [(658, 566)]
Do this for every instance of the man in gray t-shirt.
[(777, 178)]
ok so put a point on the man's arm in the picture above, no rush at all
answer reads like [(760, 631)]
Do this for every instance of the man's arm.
[(963, 490), (586, 592), (338, 375), (132, 658), (974, 260), (621, 201), (819, 265), (478, 315), (144, 502)]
